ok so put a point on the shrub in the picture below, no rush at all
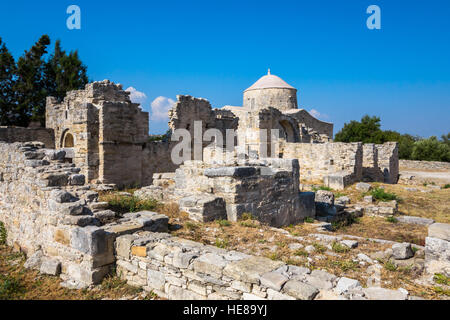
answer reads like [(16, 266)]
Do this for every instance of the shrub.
[(124, 204), (390, 266), (447, 186), (380, 194), (441, 279), (319, 247), (246, 216)]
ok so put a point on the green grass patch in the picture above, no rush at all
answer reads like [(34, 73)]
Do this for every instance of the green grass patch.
[(125, 204), (248, 224), (346, 265), (223, 223), (391, 219), (3, 234), (301, 253), (319, 247), (309, 220), (339, 248), (10, 287), (246, 216), (440, 290), (321, 188), (390, 266), (221, 243), (381, 195), (441, 279)]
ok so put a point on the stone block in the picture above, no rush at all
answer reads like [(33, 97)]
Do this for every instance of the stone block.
[(364, 187), (211, 264), (123, 245), (156, 279), (50, 266), (402, 251), (251, 269), (273, 280), (300, 290), (439, 231), (346, 284), (378, 293)]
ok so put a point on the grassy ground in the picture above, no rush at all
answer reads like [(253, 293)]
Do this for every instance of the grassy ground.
[(18, 283)]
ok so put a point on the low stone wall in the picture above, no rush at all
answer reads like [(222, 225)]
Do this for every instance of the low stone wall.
[(18, 134), (55, 219), (437, 249), (179, 269), (424, 165)]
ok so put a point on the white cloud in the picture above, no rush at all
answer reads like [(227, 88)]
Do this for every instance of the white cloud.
[(160, 108), (137, 96), (317, 114)]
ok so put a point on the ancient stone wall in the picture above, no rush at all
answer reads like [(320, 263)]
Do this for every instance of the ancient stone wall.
[(371, 170), (321, 129), (424, 165), (156, 158), (51, 215), (17, 134), (388, 161), (318, 160), (105, 130)]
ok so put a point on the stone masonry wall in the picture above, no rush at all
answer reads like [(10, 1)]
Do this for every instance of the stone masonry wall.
[(179, 269), (318, 160), (388, 161), (424, 165), (17, 134), (437, 249), (51, 215)]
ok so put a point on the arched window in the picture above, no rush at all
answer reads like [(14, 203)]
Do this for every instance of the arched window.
[(68, 141), (287, 133)]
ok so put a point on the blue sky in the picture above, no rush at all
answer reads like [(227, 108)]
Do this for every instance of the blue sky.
[(216, 49)]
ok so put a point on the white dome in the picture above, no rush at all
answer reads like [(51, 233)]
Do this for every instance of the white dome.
[(270, 81)]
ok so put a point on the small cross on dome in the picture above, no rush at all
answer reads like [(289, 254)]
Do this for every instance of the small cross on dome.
[(268, 72)]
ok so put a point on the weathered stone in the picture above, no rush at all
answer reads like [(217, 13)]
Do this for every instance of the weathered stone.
[(439, 231), (273, 280), (155, 279), (378, 293), (402, 251), (350, 243), (123, 245), (345, 284), (211, 264), (50, 266), (300, 290), (34, 261), (415, 220), (251, 269), (364, 187)]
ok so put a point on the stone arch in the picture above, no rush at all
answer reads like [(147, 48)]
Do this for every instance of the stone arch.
[(67, 140), (288, 131)]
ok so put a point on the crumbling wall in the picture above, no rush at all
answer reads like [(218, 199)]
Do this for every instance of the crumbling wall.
[(156, 158), (51, 215), (388, 161), (18, 134), (321, 131), (371, 170), (318, 160), (107, 131)]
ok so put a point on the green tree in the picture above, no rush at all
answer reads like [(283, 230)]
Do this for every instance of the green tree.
[(431, 149), (366, 131), (64, 72), (7, 96), (29, 88)]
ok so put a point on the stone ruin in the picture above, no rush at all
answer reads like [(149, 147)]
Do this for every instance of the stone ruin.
[(97, 137)]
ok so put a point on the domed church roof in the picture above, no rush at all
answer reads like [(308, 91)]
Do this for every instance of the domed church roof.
[(270, 81)]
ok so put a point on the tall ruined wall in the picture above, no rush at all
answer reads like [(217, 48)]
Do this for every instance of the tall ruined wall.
[(318, 160), (156, 158), (388, 161), (108, 132), (324, 130), (371, 170), (45, 210), (17, 134)]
